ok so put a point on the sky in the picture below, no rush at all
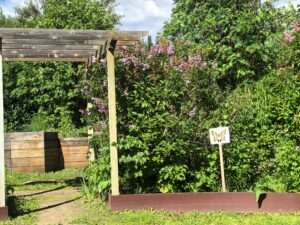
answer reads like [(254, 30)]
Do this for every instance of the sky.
[(145, 15)]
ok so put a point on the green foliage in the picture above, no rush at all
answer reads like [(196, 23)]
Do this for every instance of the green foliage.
[(238, 33), (77, 14), (169, 95), (45, 90), (95, 184)]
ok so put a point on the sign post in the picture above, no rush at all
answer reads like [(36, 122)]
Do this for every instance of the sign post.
[(220, 136)]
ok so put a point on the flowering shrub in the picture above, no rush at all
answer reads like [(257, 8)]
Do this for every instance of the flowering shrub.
[(169, 96)]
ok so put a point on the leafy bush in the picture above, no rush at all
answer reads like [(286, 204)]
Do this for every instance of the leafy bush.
[(168, 97)]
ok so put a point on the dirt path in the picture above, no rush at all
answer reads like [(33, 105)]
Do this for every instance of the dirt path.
[(57, 206)]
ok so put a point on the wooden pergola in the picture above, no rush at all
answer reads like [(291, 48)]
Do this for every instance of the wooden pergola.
[(86, 46)]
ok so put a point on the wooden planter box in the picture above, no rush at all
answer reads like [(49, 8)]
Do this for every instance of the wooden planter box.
[(74, 153), (32, 151), (44, 152), (241, 202)]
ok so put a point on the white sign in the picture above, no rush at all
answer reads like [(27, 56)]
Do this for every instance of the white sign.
[(219, 135)]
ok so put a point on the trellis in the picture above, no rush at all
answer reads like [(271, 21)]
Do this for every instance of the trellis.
[(86, 46)]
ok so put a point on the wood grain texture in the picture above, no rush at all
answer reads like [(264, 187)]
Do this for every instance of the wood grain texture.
[(29, 153), (33, 152), (26, 169), (21, 44)]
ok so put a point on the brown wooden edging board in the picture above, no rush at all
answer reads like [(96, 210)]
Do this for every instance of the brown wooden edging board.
[(3, 213), (208, 201)]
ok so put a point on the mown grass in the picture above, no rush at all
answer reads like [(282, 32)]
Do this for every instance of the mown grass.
[(44, 181), (97, 213), (22, 208)]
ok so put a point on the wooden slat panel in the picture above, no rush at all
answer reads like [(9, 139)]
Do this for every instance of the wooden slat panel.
[(45, 59), (27, 145), (50, 47), (7, 145), (64, 33), (7, 137), (75, 150), (7, 34), (7, 154), (34, 52), (129, 35), (27, 136), (28, 162), (77, 143), (74, 142), (52, 56), (27, 153), (28, 169), (75, 158), (126, 43), (27, 41), (73, 165)]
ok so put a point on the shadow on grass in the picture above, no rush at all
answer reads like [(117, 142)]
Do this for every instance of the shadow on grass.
[(43, 192), (19, 206), (23, 204), (75, 182)]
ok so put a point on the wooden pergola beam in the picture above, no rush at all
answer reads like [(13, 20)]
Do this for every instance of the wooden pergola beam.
[(46, 59)]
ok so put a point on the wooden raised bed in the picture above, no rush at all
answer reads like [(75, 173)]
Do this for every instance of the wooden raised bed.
[(74, 153), (44, 152), (241, 202), (32, 151)]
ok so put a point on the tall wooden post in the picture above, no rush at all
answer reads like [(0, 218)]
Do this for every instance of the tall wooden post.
[(222, 167), (2, 166), (112, 122)]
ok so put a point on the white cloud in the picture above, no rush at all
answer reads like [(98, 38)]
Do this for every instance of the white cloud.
[(148, 15)]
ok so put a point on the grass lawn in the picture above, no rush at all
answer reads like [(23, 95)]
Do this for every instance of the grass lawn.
[(23, 209)]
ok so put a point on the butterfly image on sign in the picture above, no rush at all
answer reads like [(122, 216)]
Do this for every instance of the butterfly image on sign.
[(219, 135)]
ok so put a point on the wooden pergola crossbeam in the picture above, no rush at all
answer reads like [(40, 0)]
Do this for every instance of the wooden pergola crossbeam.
[(47, 45), (47, 59)]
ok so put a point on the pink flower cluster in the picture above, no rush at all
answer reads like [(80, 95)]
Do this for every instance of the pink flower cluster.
[(290, 37), (185, 65), (100, 105), (84, 112), (287, 37), (163, 48), (135, 62), (296, 27)]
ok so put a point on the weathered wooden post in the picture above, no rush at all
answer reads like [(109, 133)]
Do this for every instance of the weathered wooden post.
[(112, 122), (3, 209)]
